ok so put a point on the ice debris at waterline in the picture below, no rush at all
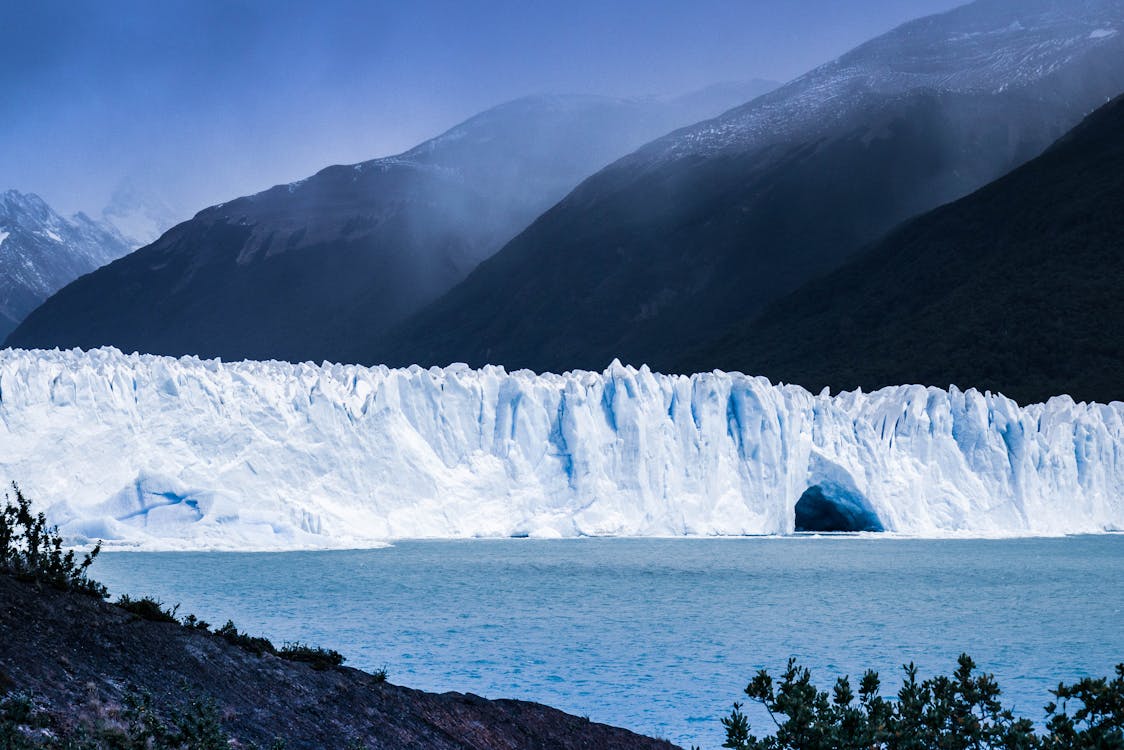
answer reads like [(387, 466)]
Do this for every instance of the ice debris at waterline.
[(182, 453)]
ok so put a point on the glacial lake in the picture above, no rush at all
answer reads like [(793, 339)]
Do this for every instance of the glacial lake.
[(660, 636)]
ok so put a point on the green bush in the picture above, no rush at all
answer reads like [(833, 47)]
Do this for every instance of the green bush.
[(199, 727), (254, 644), (196, 725), (31, 550), (1098, 716), (147, 608), (191, 622), (958, 712), (318, 658), (18, 721)]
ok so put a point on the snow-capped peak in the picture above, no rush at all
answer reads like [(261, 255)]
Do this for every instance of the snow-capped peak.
[(40, 251)]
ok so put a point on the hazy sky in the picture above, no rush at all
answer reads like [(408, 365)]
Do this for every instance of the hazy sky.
[(205, 100)]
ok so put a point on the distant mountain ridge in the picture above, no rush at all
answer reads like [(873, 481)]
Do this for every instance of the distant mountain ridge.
[(311, 270), (40, 252), (666, 248), (139, 213), (983, 47), (1015, 288)]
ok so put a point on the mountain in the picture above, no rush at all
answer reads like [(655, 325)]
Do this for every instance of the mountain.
[(139, 213), (666, 248), (40, 252), (1016, 288), (307, 270), (163, 453)]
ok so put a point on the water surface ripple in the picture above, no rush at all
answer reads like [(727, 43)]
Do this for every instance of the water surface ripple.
[(661, 635)]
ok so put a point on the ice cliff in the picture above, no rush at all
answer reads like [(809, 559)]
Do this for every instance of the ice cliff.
[(183, 453)]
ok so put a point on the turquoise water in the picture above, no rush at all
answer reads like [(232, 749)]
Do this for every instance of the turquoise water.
[(660, 636)]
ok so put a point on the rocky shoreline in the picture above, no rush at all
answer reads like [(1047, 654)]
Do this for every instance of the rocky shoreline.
[(80, 659)]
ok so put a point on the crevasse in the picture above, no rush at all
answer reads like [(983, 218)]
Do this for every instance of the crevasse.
[(160, 452)]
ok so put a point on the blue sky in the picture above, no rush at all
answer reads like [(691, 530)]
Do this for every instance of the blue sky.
[(203, 101)]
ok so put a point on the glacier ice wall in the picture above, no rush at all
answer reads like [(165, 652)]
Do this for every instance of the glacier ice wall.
[(182, 453)]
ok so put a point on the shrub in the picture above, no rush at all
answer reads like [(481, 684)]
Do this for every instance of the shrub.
[(194, 726), (199, 727), (31, 550), (147, 608), (1098, 720), (380, 674), (18, 722), (17, 708), (246, 642), (135, 725), (318, 658), (191, 622), (145, 727), (956, 712)]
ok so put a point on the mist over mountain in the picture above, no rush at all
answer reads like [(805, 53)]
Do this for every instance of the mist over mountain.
[(309, 270), (40, 252), (140, 213), (1015, 288), (668, 247)]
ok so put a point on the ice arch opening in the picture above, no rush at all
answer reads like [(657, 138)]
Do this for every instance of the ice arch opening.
[(829, 507)]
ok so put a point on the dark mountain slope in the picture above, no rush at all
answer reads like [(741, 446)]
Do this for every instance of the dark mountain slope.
[(40, 252), (80, 657), (664, 249), (302, 271), (1016, 288)]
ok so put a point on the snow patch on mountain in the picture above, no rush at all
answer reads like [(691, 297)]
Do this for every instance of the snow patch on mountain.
[(40, 252), (163, 453), (975, 48)]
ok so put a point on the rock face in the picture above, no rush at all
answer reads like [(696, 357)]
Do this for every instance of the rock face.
[(666, 248), (77, 655), (168, 453), (314, 269), (40, 252), (1016, 287)]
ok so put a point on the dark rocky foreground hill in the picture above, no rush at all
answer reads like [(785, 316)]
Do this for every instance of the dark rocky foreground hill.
[(80, 657), (1016, 288)]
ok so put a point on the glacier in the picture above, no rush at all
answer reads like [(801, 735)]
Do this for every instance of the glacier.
[(161, 453)]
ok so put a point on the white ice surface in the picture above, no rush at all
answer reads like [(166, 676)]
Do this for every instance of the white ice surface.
[(164, 453)]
